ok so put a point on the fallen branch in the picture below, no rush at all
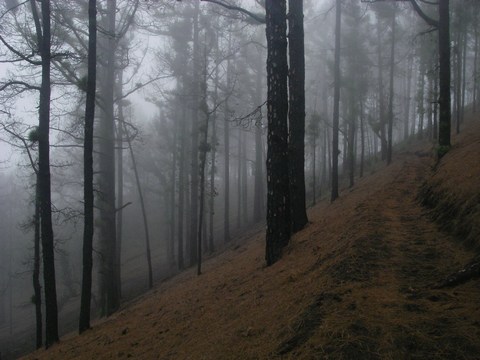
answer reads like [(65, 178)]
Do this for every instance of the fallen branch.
[(469, 272)]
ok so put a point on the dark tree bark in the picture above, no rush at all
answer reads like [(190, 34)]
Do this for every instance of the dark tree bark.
[(464, 79), (336, 100), (226, 137), (278, 203), (296, 115), (391, 90), (381, 103), (88, 195), (109, 287), (204, 148), (444, 58), (37, 288), (119, 159), (194, 150), (51, 311)]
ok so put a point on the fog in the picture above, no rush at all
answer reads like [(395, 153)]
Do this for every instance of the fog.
[(181, 75)]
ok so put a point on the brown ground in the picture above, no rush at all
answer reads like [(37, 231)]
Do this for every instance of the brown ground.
[(355, 284)]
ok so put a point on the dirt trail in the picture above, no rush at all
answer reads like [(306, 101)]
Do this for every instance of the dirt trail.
[(386, 306), (355, 284)]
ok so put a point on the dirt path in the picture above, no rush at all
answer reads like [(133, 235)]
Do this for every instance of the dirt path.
[(355, 284), (386, 306)]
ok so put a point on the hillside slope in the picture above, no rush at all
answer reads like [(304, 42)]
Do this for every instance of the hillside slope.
[(355, 284)]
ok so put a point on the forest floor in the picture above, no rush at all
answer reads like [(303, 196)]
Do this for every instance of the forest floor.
[(357, 283)]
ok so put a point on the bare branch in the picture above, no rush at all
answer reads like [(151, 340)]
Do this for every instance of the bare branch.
[(256, 17), (15, 83)]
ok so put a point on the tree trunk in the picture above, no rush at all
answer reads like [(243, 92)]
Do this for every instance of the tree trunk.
[(457, 65), (211, 243), (109, 287), (88, 194), (314, 160), (362, 139), (181, 188), (336, 101), (194, 209), (475, 62), (381, 103), (203, 160), (144, 211), (226, 137), (350, 143), (421, 98), (51, 312), (244, 179), (278, 203), (37, 288), (173, 189), (464, 79), (391, 92), (435, 107), (296, 115), (239, 178), (444, 59), (259, 191), (407, 97), (119, 214)]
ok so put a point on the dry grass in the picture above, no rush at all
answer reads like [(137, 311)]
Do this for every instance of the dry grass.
[(355, 284)]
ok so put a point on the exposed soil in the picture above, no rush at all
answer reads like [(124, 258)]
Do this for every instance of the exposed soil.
[(357, 283)]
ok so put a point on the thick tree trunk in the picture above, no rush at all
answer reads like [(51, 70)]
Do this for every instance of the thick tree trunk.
[(109, 287), (296, 115), (278, 203), (37, 288), (88, 194), (194, 209), (444, 59), (391, 91), (51, 311), (226, 137), (381, 103), (336, 101)]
